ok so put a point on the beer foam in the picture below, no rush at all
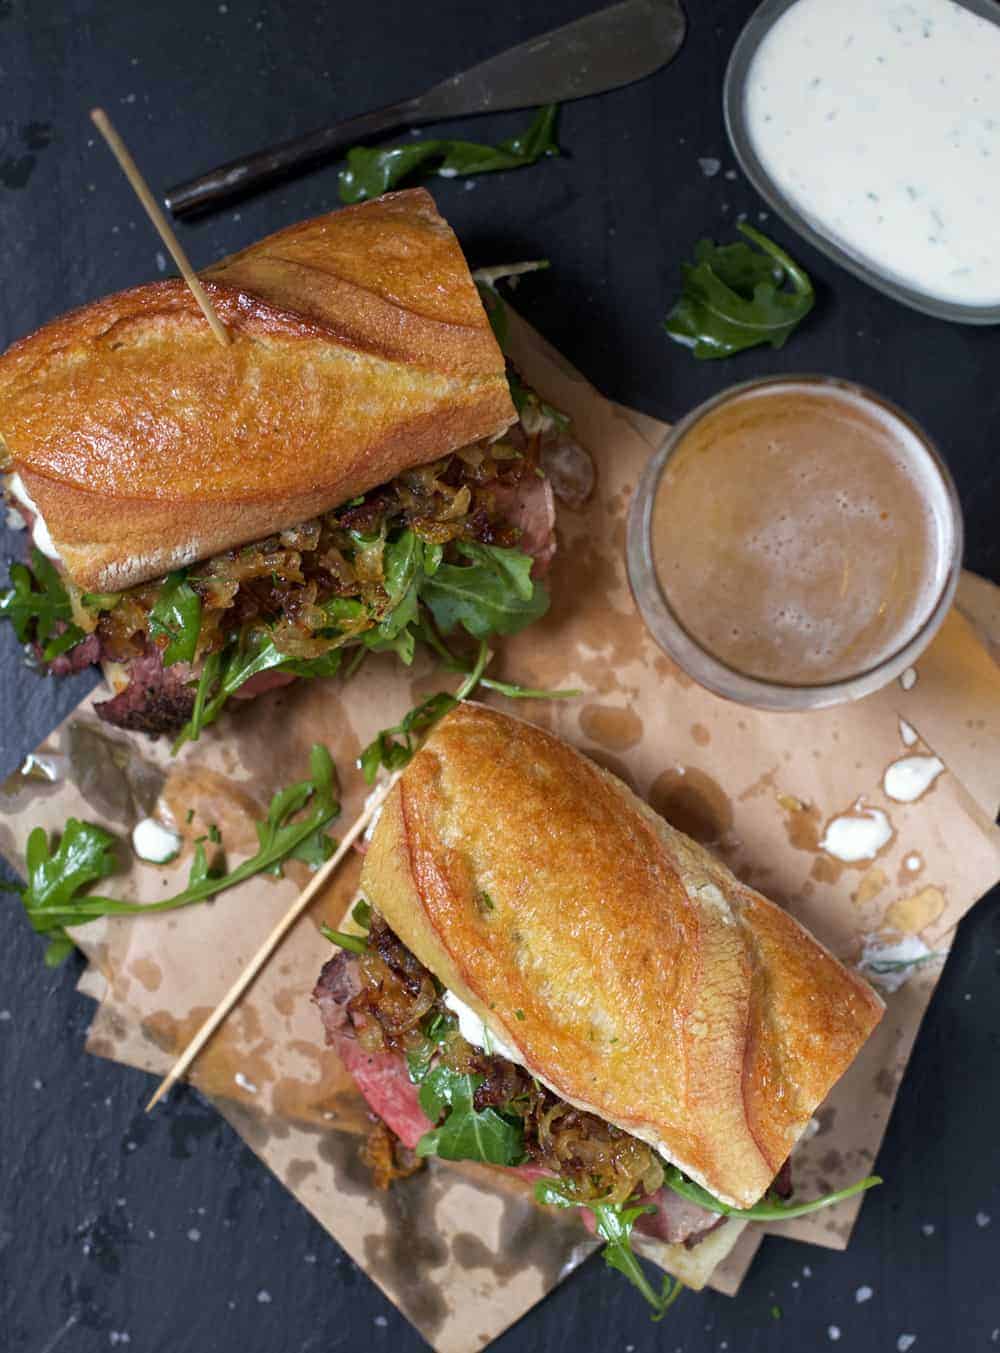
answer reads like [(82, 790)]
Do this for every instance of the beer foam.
[(799, 532)]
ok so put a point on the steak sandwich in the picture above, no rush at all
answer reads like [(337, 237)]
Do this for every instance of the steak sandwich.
[(544, 975), (350, 470)]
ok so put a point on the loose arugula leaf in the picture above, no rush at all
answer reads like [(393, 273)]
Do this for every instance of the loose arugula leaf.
[(466, 1133), (342, 940), (176, 615), (765, 1211), (37, 605), (514, 691), (385, 751), (53, 899), (614, 1226), (614, 1223), (372, 171), (734, 297), (492, 595)]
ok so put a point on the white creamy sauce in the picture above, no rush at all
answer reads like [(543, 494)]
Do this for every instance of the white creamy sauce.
[(244, 1083), (474, 1031), (39, 531), (908, 735), (880, 121), (154, 842), (909, 679), (887, 964), (858, 835), (905, 780)]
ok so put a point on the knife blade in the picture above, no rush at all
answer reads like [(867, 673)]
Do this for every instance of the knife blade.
[(602, 51)]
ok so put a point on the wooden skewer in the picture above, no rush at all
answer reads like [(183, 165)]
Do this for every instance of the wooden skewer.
[(265, 951), (130, 169)]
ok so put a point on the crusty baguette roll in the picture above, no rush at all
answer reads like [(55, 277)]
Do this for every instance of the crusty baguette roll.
[(631, 971), (360, 348)]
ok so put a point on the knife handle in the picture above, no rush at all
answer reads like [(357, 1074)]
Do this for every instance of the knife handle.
[(253, 171)]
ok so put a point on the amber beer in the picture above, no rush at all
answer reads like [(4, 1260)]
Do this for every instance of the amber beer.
[(795, 542)]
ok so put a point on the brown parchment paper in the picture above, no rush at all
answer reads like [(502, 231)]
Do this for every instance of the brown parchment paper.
[(463, 1252)]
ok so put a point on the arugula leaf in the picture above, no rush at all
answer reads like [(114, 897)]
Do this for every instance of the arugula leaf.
[(734, 297), (492, 595), (38, 606), (765, 1211), (385, 751), (53, 899), (436, 1030), (371, 171), (494, 592), (224, 673), (466, 1133), (342, 940), (101, 601), (361, 913), (614, 1223), (176, 615)]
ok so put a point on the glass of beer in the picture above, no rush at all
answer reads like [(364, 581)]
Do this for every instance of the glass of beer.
[(795, 542)]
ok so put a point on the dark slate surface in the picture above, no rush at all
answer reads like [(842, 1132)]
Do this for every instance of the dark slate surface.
[(165, 1234)]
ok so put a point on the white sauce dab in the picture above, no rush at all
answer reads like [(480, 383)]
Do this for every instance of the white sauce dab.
[(905, 780), (880, 122), (858, 835), (39, 531), (888, 964), (154, 842), (909, 679), (245, 1084), (908, 735), (474, 1031)]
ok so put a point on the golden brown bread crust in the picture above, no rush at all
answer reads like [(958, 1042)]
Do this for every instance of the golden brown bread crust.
[(656, 990), (360, 348)]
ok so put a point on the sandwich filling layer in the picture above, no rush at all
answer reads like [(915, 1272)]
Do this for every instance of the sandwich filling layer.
[(407, 1043), (293, 604)]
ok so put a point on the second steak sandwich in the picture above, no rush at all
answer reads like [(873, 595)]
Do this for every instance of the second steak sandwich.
[(556, 981), (348, 472)]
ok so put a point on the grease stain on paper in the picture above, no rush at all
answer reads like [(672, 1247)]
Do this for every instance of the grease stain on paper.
[(693, 802), (910, 915), (872, 883), (617, 728)]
